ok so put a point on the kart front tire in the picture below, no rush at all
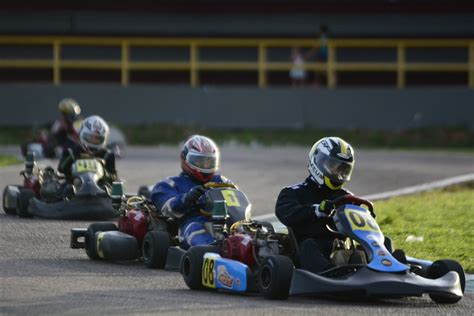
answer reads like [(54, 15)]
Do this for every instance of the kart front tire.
[(440, 268), (155, 249), (8, 210), (23, 200), (274, 277), (191, 265), (90, 241)]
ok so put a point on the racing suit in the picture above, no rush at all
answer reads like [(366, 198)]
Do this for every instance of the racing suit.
[(74, 152), (296, 207), (63, 133), (168, 194)]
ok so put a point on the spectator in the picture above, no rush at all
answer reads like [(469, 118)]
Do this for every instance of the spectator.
[(297, 72), (322, 52)]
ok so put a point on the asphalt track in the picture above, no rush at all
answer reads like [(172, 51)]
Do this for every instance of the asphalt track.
[(40, 275)]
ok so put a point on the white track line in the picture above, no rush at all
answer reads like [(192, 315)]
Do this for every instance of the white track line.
[(403, 191)]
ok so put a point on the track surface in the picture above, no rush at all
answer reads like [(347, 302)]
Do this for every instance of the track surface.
[(39, 274)]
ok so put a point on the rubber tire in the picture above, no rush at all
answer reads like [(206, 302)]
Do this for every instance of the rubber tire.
[(274, 277), (155, 249), (143, 190), (440, 268), (191, 266), (8, 211), (89, 238), (23, 200)]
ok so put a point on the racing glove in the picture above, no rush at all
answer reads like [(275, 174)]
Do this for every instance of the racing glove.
[(189, 199), (323, 209)]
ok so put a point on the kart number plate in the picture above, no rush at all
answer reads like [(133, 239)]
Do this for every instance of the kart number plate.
[(230, 198), (208, 273), (361, 220), (86, 165)]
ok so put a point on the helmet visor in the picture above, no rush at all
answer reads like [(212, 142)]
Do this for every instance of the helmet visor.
[(94, 139), (334, 168), (204, 163)]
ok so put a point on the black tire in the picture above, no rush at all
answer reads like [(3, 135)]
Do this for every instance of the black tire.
[(23, 200), (274, 277), (191, 265), (440, 268), (89, 238), (8, 210), (155, 249)]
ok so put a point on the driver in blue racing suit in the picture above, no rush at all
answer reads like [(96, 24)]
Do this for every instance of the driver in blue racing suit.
[(179, 196)]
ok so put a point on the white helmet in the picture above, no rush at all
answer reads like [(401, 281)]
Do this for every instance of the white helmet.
[(331, 161), (93, 133)]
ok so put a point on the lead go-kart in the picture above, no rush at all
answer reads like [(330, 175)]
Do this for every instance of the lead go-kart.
[(364, 267), (45, 194)]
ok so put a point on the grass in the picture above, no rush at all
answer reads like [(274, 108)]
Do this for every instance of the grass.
[(444, 218), (154, 134), (6, 160)]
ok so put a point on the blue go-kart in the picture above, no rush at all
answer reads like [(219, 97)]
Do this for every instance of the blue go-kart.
[(365, 266)]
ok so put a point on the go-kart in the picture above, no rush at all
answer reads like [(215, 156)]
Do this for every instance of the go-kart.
[(365, 267), (242, 246), (140, 233), (45, 194)]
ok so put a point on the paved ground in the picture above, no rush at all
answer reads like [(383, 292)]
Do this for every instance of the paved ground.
[(39, 274)]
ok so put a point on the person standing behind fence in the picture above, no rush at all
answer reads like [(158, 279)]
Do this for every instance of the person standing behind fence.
[(297, 72), (321, 52)]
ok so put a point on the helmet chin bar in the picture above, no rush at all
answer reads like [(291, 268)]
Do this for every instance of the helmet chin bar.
[(331, 185)]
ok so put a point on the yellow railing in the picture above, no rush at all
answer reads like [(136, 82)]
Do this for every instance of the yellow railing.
[(262, 65)]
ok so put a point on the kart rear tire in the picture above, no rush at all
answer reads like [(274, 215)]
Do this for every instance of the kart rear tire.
[(191, 265), (274, 277), (155, 249), (8, 210), (23, 200), (440, 268), (89, 238)]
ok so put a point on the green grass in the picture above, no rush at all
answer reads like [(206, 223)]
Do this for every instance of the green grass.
[(6, 160), (459, 138), (444, 218)]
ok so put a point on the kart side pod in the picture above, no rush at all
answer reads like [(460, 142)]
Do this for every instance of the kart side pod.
[(222, 273)]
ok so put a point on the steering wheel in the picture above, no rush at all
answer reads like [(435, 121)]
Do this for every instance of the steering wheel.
[(352, 199), (210, 185)]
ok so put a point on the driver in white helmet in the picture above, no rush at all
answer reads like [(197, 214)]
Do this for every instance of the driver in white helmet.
[(93, 135), (304, 207)]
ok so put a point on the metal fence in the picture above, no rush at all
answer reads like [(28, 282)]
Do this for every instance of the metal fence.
[(262, 65)]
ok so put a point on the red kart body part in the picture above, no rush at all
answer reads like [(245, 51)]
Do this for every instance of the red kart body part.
[(239, 247), (135, 223), (32, 182)]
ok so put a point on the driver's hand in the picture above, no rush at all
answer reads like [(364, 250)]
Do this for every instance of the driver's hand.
[(189, 199), (323, 209)]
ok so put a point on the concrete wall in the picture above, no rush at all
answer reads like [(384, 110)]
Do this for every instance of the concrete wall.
[(24, 104)]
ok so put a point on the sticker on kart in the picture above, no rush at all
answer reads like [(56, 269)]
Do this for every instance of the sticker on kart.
[(361, 220), (221, 273), (87, 165)]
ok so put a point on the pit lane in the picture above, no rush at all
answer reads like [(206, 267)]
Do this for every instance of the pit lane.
[(39, 274)]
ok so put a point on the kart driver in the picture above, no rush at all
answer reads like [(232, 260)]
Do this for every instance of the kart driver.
[(304, 207), (63, 132), (93, 135), (178, 197)]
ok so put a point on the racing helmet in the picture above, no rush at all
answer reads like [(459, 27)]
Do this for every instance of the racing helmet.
[(93, 134), (69, 108), (200, 158), (331, 161)]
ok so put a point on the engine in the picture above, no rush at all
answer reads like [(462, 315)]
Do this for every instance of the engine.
[(239, 247), (134, 222)]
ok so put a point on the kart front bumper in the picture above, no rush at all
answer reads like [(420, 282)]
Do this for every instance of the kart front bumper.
[(368, 283), (77, 208)]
